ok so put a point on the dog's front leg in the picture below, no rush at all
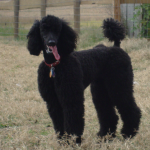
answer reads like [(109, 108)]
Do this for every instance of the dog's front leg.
[(48, 93), (72, 101)]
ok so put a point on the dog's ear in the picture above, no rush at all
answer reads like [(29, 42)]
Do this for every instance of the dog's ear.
[(68, 39), (35, 44)]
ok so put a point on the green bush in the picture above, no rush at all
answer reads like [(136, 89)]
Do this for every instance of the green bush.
[(145, 21)]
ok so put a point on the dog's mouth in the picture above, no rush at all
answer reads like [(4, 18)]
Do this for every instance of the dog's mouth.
[(53, 50)]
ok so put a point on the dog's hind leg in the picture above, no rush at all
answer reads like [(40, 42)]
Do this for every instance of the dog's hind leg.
[(120, 89), (130, 114), (129, 111), (46, 89), (105, 109)]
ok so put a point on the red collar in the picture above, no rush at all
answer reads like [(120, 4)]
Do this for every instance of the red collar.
[(53, 64)]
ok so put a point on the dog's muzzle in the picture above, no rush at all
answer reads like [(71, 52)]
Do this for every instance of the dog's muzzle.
[(48, 50), (51, 43)]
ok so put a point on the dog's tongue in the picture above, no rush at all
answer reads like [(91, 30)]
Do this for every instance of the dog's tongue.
[(55, 52)]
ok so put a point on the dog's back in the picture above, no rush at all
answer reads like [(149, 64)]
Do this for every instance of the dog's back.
[(95, 61), (97, 58)]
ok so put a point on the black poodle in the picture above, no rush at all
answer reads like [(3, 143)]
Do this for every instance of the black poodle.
[(65, 73)]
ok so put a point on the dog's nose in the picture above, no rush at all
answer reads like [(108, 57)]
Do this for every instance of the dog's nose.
[(51, 43)]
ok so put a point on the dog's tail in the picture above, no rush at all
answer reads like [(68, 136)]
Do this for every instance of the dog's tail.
[(114, 31)]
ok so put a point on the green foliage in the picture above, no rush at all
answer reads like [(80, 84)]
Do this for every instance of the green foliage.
[(145, 22)]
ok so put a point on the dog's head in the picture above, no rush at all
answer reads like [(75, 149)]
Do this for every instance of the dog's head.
[(53, 36)]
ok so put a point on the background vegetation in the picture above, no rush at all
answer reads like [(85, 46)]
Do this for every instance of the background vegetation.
[(144, 11)]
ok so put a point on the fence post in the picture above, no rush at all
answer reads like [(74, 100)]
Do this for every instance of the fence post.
[(43, 8), (16, 18), (117, 11), (77, 16)]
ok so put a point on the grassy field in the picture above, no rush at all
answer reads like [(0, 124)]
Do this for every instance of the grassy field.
[(24, 121)]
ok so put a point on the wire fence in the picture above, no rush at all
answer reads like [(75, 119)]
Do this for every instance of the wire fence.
[(85, 16)]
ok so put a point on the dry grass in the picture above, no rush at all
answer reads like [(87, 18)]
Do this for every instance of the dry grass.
[(24, 121)]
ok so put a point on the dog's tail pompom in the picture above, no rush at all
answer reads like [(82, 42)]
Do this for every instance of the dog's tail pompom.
[(114, 31)]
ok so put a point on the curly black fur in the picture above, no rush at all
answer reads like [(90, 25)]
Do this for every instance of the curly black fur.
[(114, 31), (107, 69), (34, 37)]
